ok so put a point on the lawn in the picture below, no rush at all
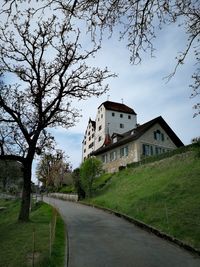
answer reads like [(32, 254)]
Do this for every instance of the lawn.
[(164, 194), (27, 244)]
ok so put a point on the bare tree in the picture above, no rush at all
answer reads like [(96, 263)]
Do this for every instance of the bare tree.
[(44, 53), (139, 22)]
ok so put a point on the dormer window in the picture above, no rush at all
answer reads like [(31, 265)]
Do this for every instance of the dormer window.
[(115, 139), (158, 135)]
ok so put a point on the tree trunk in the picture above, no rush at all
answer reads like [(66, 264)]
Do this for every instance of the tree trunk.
[(26, 194)]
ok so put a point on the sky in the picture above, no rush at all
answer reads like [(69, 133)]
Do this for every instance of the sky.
[(142, 88)]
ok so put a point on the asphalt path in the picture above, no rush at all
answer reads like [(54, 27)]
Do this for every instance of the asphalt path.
[(99, 239)]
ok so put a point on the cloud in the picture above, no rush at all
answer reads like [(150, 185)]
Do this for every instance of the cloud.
[(141, 87)]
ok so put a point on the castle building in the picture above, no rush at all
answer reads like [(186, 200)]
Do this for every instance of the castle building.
[(111, 118), (117, 139)]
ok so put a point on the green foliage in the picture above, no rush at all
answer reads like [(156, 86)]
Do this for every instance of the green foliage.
[(89, 170), (196, 144), (53, 170), (149, 159), (67, 189), (77, 184), (16, 246), (164, 194), (101, 181), (11, 176)]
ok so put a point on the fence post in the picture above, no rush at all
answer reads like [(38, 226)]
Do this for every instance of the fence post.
[(33, 255), (50, 238)]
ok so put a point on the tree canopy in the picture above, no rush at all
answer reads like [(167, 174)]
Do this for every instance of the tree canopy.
[(138, 22), (89, 170), (52, 169), (45, 54)]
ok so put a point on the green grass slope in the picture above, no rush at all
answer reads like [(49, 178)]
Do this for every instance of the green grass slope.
[(16, 239), (164, 194)]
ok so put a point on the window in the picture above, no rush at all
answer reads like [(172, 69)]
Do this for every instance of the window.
[(121, 115), (129, 117), (126, 151), (113, 156), (89, 138), (93, 135), (159, 136), (84, 150), (104, 158), (115, 139), (158, 150), (100, 127), (147, 150), (113, 114), (101, 115), (88, 133), (121, 125), (99, 139), (91, 145), (123, 151)]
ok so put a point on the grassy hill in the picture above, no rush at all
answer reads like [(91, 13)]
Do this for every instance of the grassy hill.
[(17, 246), (164, 194)]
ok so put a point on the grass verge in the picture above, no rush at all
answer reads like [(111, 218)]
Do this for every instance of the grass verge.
[(163, 194), (19, 240)]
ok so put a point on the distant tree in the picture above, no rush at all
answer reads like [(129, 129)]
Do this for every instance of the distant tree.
[(89, 170), (52, 169), (77, 183), (11, 176), (45, 54)]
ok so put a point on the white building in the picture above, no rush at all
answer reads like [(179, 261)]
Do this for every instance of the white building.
[(111, 118), (117, 139)]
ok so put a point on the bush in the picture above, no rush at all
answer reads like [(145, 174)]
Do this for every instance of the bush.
[(89, 170), (149, 159)]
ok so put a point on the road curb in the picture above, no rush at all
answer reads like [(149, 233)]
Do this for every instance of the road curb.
[(146, 227)]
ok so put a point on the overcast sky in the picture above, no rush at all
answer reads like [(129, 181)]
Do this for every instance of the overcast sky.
[(142, 88)]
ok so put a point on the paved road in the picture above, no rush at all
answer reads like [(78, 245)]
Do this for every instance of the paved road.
[(99, 239)]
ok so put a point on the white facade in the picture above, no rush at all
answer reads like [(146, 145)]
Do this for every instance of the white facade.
[(150, 139), (111, 121), (88, 141), (118, 119)]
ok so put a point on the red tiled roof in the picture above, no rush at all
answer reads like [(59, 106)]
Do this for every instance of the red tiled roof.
[(117, 107)]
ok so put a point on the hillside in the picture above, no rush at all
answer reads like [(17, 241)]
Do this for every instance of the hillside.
[(164, 194)]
